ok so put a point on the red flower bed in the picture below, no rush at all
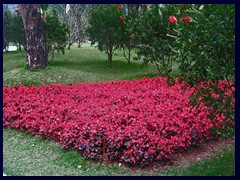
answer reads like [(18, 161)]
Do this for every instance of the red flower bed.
[(134, 122)]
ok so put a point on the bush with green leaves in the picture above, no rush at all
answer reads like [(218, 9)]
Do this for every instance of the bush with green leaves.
[(201, 39), (205, 50), (56, 34), (206, 45), (151, 30)]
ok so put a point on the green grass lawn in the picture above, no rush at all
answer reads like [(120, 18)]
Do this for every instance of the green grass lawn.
[(24, 154), (85, 64)]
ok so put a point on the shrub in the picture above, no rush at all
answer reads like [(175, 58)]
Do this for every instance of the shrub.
[(205, 47)]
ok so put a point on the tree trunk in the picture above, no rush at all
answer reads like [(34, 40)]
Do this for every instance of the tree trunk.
[(129, 56), (19, 47), (69, 45), (34, 35), (110, 51), (80, 42), (110, 59)]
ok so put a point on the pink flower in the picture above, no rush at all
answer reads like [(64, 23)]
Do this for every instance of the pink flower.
[(45, 17), (131, 36), (172, 19), (182, 5)]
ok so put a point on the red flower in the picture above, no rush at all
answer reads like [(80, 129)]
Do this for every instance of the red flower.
[(172, 19), (131, 36), (188, 19), (146, 6), (45, 17), (121, 17), (182, 5), (139, 4)]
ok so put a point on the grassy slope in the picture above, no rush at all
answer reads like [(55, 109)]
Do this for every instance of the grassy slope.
[(27, 155)]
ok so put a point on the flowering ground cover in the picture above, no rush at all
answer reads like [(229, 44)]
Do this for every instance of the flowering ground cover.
[(135, 122)]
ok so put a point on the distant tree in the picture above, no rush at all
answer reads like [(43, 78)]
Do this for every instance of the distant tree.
[(17, 26), (83, 21), (106, 25), (77, 17), (7, 18)]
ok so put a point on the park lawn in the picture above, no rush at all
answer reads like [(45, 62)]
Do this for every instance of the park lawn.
[(85, 64), (24, 154)]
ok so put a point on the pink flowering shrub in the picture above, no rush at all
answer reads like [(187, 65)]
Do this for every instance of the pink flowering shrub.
[(135, 122)]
